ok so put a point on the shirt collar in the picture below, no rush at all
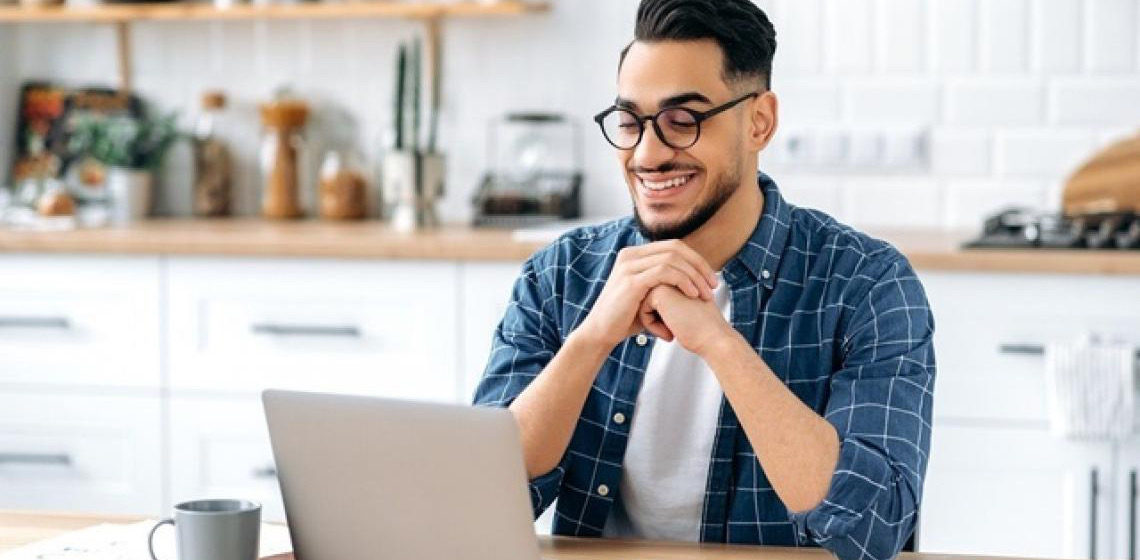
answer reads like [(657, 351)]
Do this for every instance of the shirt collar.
[(760, 255)]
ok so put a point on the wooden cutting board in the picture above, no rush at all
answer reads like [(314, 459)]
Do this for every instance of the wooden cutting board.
[(1108, 183)]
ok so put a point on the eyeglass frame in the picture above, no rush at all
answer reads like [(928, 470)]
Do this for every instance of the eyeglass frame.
[(698, 118)]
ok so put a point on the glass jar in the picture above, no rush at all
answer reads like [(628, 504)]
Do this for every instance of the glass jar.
[(283, 153), (213, 171), (343, 190)]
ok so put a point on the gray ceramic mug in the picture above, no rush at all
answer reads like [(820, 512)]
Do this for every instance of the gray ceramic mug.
[(214, 530)]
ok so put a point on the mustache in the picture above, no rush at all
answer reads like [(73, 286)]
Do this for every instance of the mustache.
[(664, 168)]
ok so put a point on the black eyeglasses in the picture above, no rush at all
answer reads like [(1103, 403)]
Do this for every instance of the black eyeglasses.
[(677, 127)]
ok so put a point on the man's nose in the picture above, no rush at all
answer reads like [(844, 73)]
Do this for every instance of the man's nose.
[(651, 152)]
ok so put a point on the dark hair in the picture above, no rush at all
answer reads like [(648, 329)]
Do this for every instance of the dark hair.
[(743, 31)]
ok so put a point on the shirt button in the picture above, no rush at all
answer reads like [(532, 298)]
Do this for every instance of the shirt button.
[(603, 490), (642, 340), (765, 274), (619, 418)]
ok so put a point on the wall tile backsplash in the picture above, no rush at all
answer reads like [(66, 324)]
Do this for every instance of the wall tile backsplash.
[(1013, 93)]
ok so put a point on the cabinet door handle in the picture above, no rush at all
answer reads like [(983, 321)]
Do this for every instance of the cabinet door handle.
[(1030, 349), (44, 459), (53, 323), (1094, 497), (1132, 515), (272, 329), (268, 471)]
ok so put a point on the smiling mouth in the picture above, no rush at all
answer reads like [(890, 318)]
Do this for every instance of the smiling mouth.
[(668, 184)]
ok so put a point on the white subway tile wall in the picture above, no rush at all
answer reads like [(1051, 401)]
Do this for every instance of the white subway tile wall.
[(1014, 93), (954, 33), (969, 200), (995, 102), (1111, 36), (900, 36), (1004, 36), (1056, 45)]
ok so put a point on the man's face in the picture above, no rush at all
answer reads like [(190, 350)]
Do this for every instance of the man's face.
[(675, 191)]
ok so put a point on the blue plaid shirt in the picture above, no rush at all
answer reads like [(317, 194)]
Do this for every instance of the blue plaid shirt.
[(840, 317)]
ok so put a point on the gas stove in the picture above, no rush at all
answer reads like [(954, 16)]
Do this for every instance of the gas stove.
[(1023, 228)]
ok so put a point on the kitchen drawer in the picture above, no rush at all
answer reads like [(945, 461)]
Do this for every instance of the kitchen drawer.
[(79, 320), (1018, 492), (386, 329), (975, 314), (80, 453), (219, 448)]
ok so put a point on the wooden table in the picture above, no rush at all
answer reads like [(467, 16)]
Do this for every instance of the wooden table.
[(21, 528)]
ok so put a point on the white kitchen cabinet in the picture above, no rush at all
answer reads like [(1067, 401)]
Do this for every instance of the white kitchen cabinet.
[(376, 328), (1014, 491), (81, 452), (202, 336), (80, 320), (975, 314), (1126, 496), (220, 448), (486, 289), (998, 481)]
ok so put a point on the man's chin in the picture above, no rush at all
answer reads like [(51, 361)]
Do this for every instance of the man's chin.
[(662, 228), (656, 225)]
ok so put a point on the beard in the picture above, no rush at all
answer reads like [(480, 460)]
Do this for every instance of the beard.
[(722, 189)]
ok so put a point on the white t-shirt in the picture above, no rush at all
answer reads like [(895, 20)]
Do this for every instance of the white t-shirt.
[(671, 435)]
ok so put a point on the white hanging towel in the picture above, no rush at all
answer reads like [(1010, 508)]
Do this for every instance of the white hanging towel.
[(1091, 389)]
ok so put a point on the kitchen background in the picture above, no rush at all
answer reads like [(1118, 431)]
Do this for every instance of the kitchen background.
[(1012, 93), (130, 362)]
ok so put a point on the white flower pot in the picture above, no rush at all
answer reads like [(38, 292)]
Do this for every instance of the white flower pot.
[(412, 183), (129, 194)]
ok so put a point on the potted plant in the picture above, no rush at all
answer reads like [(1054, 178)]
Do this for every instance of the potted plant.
[(132, 149), (413, 174)]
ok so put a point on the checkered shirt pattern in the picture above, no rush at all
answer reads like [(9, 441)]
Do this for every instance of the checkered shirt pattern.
[(840, 317)]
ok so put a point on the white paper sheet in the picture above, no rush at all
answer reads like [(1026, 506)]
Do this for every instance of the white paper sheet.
[(129, 542)]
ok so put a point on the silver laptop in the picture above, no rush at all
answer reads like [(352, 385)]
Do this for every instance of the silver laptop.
[(368, 478)]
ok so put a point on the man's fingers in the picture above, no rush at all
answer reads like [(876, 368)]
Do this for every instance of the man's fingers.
[(652, 322), (675, 247), (699, 281), (659, 330), (691, 255), (665, 274)]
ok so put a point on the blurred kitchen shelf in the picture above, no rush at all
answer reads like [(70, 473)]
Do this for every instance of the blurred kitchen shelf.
[(122, 15), (182, 11)]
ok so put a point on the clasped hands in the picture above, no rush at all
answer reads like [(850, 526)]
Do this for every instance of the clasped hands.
[(664, 287)]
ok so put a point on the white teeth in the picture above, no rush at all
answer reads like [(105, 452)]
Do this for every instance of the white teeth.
[(664, 185)]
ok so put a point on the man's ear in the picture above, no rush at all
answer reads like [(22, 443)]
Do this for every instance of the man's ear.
[(764, 117)]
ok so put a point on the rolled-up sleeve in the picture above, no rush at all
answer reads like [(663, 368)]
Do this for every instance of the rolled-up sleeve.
[(881, 406), (524, 342)]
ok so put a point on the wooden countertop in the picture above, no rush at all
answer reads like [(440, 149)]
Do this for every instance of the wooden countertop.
[(927, 250), (259, 238), (21, 528)]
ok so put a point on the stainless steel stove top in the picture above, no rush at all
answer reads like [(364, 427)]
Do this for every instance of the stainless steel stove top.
[(1028, 229)]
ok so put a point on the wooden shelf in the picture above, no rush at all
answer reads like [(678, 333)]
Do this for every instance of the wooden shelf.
[(181, 11)]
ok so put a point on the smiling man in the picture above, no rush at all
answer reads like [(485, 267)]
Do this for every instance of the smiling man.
[(721, 366)]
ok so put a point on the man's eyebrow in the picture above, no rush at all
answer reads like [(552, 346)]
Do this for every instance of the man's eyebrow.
[(672, 101), (685, 98), (625, 103)]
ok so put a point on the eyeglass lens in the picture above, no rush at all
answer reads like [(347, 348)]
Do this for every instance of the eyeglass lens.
[(624, 129)]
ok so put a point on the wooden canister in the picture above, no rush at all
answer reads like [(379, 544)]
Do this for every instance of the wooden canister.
[(283, 120)]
